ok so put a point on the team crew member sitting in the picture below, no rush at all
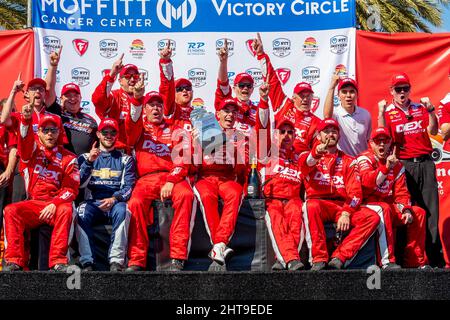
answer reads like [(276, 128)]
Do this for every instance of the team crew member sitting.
[(409, 124), (384, 184), (297, 110), (52, 181), (160, 177), (116, 104), (109, 177), (334, 194), (355, 123)]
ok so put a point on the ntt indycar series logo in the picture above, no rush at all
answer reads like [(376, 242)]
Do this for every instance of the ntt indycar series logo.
[(197, 76), (311, 75), (221, 42), (108, 48), (281, 47), (256, 75), (163, 43), (339, 44), (80, 76), (51, 43)]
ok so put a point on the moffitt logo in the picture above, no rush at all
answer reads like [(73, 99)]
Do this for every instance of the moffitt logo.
[(166, 11), (197, 76), (256, 75), (311, 75), (281, 47), (341, 70), (339, 44), (137, 49), (163, 43), (284, 74), (249, 45), (108, 48), (51, 44), (310, 47), (80, 76), (220, 43), (196, 48), (80, 46)]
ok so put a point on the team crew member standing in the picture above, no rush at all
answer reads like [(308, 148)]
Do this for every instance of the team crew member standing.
[(409, 124), (116, 104), (355, 123), (297, 110), (52, 181), (243, 89), (334, 194), (384, 184), (160, 177), (109, 176)]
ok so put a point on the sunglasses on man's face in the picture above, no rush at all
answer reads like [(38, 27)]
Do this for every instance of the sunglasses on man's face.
[(128, 76), (51, 130), (112, 133), (282, 131), (404, 89), (245, 85), (182, 88)]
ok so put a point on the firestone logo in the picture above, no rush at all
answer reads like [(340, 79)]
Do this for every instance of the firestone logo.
[(51, 43), (80, 76), (108, 48), (220, 43), (197, 76), (311, 75), (281, 47), (284, 74), (163, 43), (339, 44), (256, 75), (166, 11), (80, 46)]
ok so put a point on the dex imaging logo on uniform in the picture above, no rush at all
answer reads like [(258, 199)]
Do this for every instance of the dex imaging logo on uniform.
[(163, 43), (108, 48), (51, 43), (339, 44), (281, 47), (197, 76), (221, 42), (166, 11), (80, 76), (256, 75), (311, 75)]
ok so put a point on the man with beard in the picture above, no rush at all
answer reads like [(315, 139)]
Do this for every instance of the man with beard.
[(384, 185), (355, 123), (297, 110), (409, 124), (116, 104), (160, 177), (52, 181), (334, 194), (109, 177)]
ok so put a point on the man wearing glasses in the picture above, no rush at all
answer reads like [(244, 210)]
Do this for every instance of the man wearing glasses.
[(409, 124), (116, 104), (109, 177), (52, 180)]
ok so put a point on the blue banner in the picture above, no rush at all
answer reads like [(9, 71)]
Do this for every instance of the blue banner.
[(136, 16)]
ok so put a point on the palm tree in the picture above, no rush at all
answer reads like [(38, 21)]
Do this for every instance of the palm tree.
[(13, 14), (399, 15)]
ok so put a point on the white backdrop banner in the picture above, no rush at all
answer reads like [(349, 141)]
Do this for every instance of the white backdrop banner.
[(306, 40)]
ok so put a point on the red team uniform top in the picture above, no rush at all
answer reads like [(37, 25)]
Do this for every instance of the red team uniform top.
[(114, 104), (50, 175), (409, 132), (305, 121), (8, 139), (333, 177), (391, 186)]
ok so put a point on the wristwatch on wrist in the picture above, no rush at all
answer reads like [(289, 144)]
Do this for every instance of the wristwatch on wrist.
[(431, 109)]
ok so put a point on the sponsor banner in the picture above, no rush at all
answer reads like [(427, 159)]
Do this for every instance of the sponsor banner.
[(426, 60), (87, 57), (138, 16)]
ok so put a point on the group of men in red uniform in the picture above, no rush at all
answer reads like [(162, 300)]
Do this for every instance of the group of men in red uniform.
[(306, 180)]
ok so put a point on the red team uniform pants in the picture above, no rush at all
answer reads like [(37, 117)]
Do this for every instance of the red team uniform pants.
[(363, 224), (23, 216), (284, 223), (208, 189), (414, 253), (147, 189)]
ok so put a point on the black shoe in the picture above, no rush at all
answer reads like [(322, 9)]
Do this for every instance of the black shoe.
[(60, 267), (391, 266), (88, 266), (317, 266), (134, 268), (115, 267), (295, 265), (176, 265), (425, 267), (335, 264), (9, 266), (277, 266)]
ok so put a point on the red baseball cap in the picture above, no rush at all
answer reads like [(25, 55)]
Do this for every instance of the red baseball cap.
[(401, 78), (329, 122), (284, 121), (303, 86), (37, 81), (241, 77), (108, 122), (381, 131), (50, 118), (152, 95), (70, 87), (347, 82), (228, 102), (128, 67), (182, 82)]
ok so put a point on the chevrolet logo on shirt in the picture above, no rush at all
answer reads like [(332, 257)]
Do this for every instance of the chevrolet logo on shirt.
[(106, 173)]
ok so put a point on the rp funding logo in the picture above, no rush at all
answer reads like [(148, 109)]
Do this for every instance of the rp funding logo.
[(186, 11)]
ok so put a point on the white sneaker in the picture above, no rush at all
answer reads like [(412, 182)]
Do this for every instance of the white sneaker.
[(228, 252), (217, 253)]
